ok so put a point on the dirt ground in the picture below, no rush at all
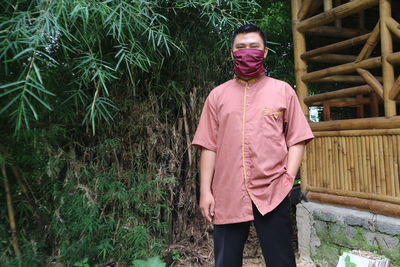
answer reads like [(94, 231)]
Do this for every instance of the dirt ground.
[(197, 249)]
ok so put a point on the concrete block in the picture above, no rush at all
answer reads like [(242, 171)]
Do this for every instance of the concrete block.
[(388, 225)]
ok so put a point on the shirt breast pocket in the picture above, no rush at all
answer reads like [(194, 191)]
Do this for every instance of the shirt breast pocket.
[(273, 123)]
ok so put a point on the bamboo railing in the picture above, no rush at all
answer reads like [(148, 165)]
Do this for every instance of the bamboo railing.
[(352, 162)]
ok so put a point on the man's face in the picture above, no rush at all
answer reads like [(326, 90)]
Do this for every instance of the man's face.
[(249, 40)]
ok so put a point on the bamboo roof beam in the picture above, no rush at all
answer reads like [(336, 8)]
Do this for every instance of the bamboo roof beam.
[(342, 69), (299, 64), (336, 46), (390, 208), (343, 102), (394, 58), (333, 58), (345, 79), (357, 90), (393, 26), (332, 31), (371, 81), (353, 124), (336, 13), (395, 91), (305, 7), (385, 11), (369, 44)]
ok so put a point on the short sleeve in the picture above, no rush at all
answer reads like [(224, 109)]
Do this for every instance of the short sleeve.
[(297, 128), (206, 133)]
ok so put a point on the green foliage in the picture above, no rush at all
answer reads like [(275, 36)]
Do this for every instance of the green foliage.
[(348, 262), (152, 262)]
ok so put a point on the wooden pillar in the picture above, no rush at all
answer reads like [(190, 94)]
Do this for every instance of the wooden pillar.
[(386, 49), (299, 64)]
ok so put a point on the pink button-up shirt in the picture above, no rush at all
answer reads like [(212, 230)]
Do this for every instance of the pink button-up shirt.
[(250, 127)]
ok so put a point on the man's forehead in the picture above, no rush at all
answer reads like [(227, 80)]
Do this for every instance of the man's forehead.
[(252, 37)]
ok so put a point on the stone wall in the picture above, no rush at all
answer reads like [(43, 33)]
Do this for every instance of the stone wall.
[(325, 231)]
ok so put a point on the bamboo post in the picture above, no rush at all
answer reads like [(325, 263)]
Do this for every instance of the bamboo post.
[(386, 166), (332, 58), (372, 81), (345, 79), (390, 160), (336, 13), (299, 64), (364, 89), (381, 168), (332, 31), (342, 69), (386, 49), (369, 44), (395, 90), (396, 162), (11, 213), (393, 26), (352, 166), (394, 58), (336, 46), (366, 204), (375, 165), (352, 124), (305, 7)]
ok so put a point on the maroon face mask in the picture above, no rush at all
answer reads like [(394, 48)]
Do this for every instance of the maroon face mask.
[(248, 62)]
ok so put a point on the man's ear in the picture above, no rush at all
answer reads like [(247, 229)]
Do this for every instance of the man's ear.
[(265, 52)]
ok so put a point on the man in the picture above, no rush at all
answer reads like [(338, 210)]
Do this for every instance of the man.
[(252, 133)]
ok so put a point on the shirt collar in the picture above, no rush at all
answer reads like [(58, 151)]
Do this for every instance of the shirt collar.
[(251, 81)]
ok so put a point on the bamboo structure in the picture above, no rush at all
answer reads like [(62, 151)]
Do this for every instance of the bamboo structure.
[(353, 162)]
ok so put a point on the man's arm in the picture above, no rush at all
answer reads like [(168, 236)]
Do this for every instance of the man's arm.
[(207, 164), (295, 157)]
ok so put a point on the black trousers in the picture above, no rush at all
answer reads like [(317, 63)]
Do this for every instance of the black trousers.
[(274, 234)]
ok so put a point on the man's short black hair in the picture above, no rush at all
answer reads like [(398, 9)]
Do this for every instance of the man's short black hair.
[(247, 28)]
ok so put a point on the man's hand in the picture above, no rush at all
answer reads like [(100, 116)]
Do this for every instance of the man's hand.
[(207, 163), (207, 205)]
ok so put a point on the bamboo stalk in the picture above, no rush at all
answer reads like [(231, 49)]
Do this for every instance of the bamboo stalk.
[(396, 153), (187, 134), (390, 160), (386, 49), (361, 195), (353, 91), (381, 169), (329, 166), (346, 178), (395, 90), (327, 5), (304, 170), (342, 69), (332, 31), (386, 165), (11, 213), (369, 44), (342, 102), (353, 124), (318, 164), (339, 165), (372, 81), (360, 183), (357, 158), (338, 22), (324, 161), (369, 132), (374, 165), (344, 79), (305, 7), (365, 180), (396, 160), (332, 59), (299, 64), (393, 26), (368, 163), (352, 166), (313, 168), (393, 58), (336, 46), (374, 206), (336, 13)]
